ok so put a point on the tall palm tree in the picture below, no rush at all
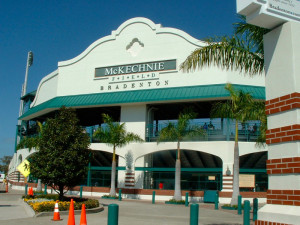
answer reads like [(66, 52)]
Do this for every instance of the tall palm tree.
[(243, 51), (114, 135), (240, 107), (176, 132)]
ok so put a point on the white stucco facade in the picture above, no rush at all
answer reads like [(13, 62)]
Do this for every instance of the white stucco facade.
[(135, 58)]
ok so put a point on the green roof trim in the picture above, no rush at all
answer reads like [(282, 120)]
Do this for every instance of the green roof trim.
[(139, 96)]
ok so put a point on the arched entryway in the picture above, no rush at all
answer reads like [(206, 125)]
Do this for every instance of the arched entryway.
[(199, 170), (99, 174), (253, 168)]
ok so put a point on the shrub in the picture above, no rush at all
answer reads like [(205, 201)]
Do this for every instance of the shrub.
[(46, 203), (176, 201)]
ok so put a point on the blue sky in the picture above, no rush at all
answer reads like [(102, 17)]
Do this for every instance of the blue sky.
[(58, 30)]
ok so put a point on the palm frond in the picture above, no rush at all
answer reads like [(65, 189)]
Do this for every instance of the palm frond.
[(114, 134), (230, 54), (251, 33), (168, 133), (222, 110), (30, 143)]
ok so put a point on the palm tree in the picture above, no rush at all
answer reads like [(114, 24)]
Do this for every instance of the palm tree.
[(176, 132), (240, 107), (243, 51), (116, 136), (32, 142)]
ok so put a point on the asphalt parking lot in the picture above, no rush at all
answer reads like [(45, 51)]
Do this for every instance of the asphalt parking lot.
[(131, 212)]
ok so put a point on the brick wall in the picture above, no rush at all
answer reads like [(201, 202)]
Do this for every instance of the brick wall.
[(283, 197), (260, 222), (283, 134), (283, 166), (283, 103), (157, 192)]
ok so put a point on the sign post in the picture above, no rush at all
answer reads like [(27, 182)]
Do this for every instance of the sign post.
[(282, 55)]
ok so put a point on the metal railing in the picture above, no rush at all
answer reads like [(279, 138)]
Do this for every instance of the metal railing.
[(213, 131)]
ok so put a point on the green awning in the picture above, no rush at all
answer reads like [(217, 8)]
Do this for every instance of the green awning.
[(189, 93)]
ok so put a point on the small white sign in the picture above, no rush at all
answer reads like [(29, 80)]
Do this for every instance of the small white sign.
[(269, 13), (289, 8)]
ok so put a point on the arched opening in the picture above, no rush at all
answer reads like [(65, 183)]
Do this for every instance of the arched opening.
[(199, 170), (20, 159), (100, 169), (253, 172)]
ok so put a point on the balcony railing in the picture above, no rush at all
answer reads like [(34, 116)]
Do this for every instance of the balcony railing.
[(213, 131), (216, 130)]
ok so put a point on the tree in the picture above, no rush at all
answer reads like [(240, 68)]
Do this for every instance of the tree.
[(177, 132), (62, 157), (5, 160), (240, 107), (243, 51), (114, 135)]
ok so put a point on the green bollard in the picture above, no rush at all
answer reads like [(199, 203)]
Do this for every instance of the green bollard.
[(246, 212), (194, 214), (216, 201), (81, 191), (45, 190), (120, 194), (186, 199), (153, 197), (255, 208), (26, 189), (113, 214), (240, 205)]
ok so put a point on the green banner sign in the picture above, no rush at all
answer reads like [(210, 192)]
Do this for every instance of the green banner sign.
[(136, 68)]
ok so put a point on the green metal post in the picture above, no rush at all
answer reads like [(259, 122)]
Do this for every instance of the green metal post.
[(186, 199), (16, 139), (153, 197), (26, 189), (255, 208), (89, 175), (81, 191), (216, 201), (194, 214), (246, 212), (113, 214), (240, 205), (120, 194), (45, 190)]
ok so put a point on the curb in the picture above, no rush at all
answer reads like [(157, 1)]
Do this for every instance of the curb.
[(29, 211), (76, 212)]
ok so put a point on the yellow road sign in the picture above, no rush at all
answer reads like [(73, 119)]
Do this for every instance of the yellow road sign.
[(24, 168)]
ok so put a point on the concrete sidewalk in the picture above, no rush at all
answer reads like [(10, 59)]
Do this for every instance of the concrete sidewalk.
[(131, 212)]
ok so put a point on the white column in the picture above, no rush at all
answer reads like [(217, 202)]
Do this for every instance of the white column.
[(282, 60), (135, 118)]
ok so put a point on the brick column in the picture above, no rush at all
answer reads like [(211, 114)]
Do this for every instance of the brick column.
[(282, 59)]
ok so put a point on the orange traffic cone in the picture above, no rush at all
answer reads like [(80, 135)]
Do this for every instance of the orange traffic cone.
[(30, 191), (71, 220), (83, 216), (56, 215)]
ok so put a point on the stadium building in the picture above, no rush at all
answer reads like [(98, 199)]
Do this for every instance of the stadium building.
[(134, 76)]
